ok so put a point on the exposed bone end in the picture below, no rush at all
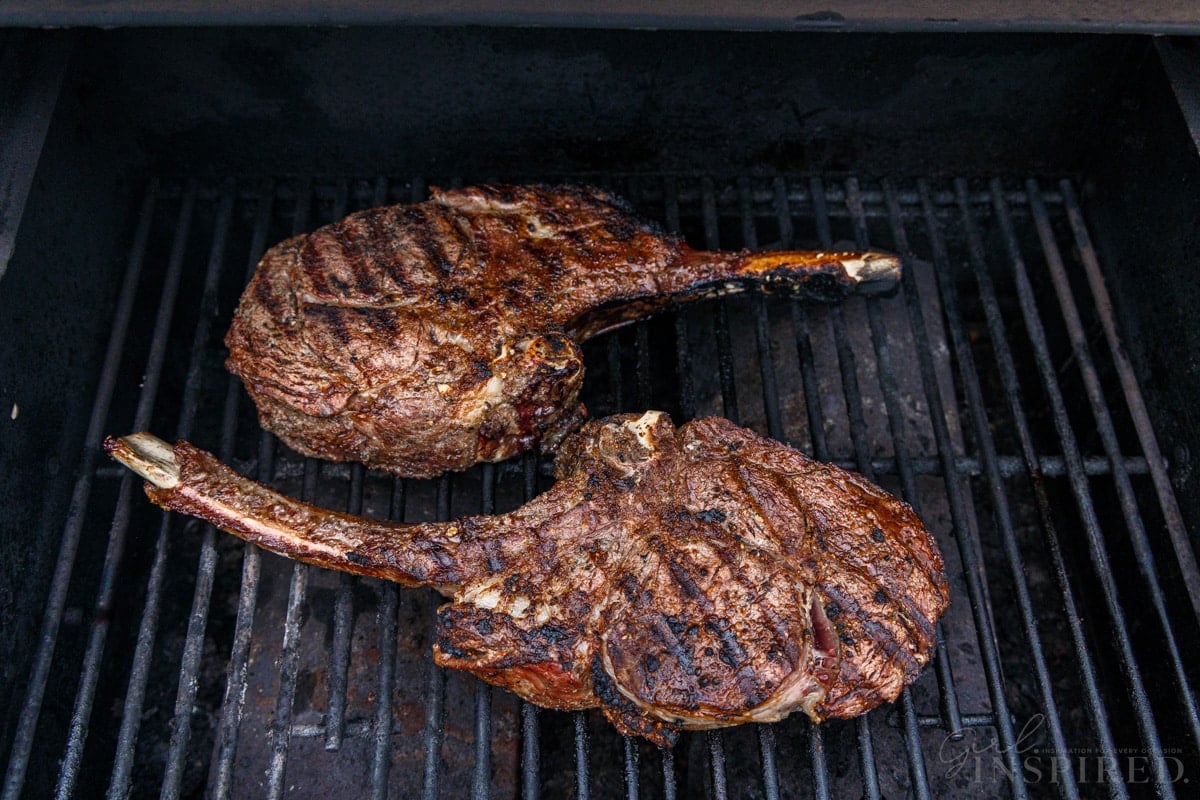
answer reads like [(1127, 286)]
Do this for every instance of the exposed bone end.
[(873, 271), (148, 456), (642, 426)]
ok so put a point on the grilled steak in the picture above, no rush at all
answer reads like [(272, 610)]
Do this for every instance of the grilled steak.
[(424, 338), (678, 579)]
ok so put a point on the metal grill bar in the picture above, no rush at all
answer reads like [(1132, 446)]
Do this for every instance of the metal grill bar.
[(1108, 436), (101, 615), (808, 378), (614, 369), (235, 684), (716, 758), (289, 669), (531, 786), (302, 730), (632, 784), (343, 609), (968, 721), (1033, 326), (820, 765), (343, 623), (874, 200), (686, 393), (668, 770), (766, 749), (985, 442), (1133, 398), (641, 348), (762, 337), (1052, 466), (143, 651), (582, 788), (381, 755), (434, 731)]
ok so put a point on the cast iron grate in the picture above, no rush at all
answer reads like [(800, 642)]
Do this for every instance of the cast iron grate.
[(991, 393)]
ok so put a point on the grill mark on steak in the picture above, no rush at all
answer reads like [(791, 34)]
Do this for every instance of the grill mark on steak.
[(382, 320), (865, 622), (784, 643), (685, 581), (491, 267), (748, 493), (679, 648), (428, 235), (359, 247), (335, 319), (604, 592), (735, 657), (682, 568), (314, 268), (383, 227)]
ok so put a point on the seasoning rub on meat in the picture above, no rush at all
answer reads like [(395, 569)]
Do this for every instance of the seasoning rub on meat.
[(424, 338), (683, 578)]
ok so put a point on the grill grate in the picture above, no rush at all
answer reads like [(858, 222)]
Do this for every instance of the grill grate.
[(991, 393)]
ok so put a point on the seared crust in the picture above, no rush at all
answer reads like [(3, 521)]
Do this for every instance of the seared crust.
[(678, 579), (425, 338)]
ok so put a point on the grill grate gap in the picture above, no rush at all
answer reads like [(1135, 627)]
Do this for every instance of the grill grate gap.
[(829, 380)]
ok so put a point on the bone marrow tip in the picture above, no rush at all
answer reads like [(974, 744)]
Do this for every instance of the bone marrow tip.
[(148, 456), (872, 267)]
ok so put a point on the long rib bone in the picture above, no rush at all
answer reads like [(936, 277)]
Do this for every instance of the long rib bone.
[(187, 479)]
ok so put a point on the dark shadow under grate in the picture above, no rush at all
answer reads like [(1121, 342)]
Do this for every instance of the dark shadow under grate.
[(986, 393)]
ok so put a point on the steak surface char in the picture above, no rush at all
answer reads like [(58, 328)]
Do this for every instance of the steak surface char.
[(424, 338), (683, 578)]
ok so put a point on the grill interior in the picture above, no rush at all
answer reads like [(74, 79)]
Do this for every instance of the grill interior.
[(992, 393), (269, 681)]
